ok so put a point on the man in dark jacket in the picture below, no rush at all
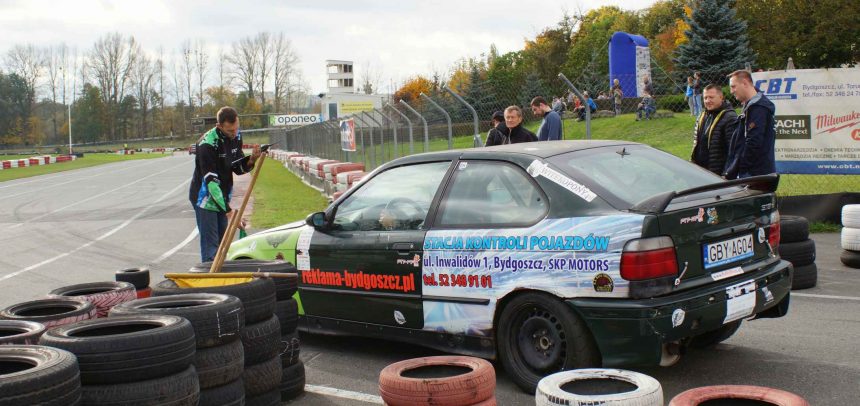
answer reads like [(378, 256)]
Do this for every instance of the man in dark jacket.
[(219, 156), (512, 130), (751, 150), (714, 128), (497, 134)]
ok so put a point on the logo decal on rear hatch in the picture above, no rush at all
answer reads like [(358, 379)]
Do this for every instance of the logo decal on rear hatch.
[(712, 216)]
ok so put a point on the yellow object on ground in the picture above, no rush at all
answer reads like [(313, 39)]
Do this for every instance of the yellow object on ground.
[(205, 280)]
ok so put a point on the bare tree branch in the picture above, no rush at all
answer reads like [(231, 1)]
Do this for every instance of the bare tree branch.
[(285, 63)]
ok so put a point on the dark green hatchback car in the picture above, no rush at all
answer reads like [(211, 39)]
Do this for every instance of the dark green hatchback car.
[(546, 255)]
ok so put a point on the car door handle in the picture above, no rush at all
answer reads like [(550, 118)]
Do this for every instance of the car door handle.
[(403, 247)]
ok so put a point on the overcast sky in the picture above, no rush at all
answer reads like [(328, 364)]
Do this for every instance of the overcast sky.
[(398, 38)]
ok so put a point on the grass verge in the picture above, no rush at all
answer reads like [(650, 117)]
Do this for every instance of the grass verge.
[(280, 197), (87, 161)]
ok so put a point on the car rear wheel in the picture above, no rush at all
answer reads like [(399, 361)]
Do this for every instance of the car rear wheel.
[(539, 335)]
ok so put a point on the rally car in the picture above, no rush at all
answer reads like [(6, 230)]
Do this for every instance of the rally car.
[(549, 256)]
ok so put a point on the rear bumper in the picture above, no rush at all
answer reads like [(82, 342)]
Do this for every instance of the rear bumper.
[(631, 332)]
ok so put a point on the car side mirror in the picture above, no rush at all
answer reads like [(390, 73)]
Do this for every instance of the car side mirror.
[(316, 220)]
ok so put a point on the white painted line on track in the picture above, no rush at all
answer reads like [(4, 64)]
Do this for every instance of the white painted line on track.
[(91, 198), (99, 238), (178, 247), (826, 296), (344, 394)]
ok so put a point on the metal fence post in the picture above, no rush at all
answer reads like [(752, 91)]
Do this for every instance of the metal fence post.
[(411, 140), (584, 104), (477, 139), (372, 146), (447, 117), (393, 130), (361, 132), (381, 137), (426, 128)]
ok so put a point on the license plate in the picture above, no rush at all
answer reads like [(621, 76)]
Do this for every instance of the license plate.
[(728, 251)]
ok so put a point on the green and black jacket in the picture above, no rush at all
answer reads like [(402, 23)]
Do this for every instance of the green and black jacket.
[(218, 157)]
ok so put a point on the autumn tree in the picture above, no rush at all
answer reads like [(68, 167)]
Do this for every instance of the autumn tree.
[(412, 89)]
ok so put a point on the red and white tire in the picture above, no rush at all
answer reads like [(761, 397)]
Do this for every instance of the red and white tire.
[(648, 391), (103, 295), (696, 396), (475, 386)]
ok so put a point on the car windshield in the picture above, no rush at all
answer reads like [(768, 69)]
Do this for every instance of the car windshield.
[(632, 173)]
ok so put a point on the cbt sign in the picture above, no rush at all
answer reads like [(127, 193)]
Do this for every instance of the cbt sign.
[(781, 88), (294, 119)]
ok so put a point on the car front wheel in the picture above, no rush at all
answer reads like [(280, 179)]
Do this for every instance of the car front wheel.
[(539, 335)]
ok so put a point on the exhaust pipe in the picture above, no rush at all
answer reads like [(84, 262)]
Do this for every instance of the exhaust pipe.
[(671, 354)]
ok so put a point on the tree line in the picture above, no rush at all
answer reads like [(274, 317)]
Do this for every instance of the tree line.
[(116, 90)]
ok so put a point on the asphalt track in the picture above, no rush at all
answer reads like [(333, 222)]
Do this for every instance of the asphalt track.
[(83, 225)]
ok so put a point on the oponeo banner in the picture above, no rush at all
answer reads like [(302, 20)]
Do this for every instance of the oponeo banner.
[(294, 119), (347, 135), (817, 119)]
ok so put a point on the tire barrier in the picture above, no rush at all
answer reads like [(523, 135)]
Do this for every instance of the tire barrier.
[(271, 398), (50, 312), (37, 375), (230, 394), (221, 365), (440, 381), (262, 377), (126, 349), (290, 349), (103, 295), (257, 296), (139, 277), (705, 394), (20, 332), (292, 381), (850, 235), (262, 341), (287, 312), (285, 288), (179, 389), (610, 387), (796, 247)]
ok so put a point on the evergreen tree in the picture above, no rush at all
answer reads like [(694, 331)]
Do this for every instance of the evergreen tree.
[(717, 41), (479, 95), (532, 87)]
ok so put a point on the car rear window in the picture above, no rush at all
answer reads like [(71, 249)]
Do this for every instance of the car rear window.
[(628, 174)]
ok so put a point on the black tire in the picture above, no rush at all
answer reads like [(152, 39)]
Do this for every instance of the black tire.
[(271, 398), (287, 312), (103, 295), (20, 332), (532, 319), (231, 394), (180, 389), (218, 366), (290, 349), (126, 349), (32, 374), (793, 229), (263, 377), (261, 341), (850, 258), (292, 381), (139, 277), (805, 276), (257, 296), (798, 253), (285, 288), (217, 319), (50, 312), (712, 338)]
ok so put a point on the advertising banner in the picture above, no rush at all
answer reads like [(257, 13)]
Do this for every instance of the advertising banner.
[(294, 119), (643, 69), (347, 108), (817, 119), (347, 135)]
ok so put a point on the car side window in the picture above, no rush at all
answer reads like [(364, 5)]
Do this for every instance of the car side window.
[(397, 199), (491, 194)]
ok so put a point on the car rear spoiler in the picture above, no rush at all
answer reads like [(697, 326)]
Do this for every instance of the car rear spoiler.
[(659, 202)]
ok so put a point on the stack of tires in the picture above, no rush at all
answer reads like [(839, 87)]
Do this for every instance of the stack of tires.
[(796, 247), (217, 320), (599, 386), (260, 337), (292, 382), (103, 295), (37, 375), (139, 277), (851, 235), (50, 312), (142, 359), (441, 380)]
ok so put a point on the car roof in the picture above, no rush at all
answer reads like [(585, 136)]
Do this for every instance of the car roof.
[(540, 149)]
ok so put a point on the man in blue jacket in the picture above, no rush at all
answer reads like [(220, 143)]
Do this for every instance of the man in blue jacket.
[(751, 150), (550, 127)]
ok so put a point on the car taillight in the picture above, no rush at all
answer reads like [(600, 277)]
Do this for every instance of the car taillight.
[(773, 231), (648, 258)]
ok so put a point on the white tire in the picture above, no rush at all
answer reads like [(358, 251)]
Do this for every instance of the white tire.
[(851, 239), (851, 215), (648, 391)]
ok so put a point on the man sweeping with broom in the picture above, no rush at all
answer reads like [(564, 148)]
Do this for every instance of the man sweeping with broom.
[(219, 155)]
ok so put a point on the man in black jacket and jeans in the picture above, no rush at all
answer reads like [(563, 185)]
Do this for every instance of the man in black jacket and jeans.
[(713, 131), (752, 148)]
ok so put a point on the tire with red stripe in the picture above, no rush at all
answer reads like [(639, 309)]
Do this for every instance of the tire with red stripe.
[(736, 393), (463, 381), (103, 295)]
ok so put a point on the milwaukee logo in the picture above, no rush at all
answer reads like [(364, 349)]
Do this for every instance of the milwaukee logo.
[(830, 123)]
